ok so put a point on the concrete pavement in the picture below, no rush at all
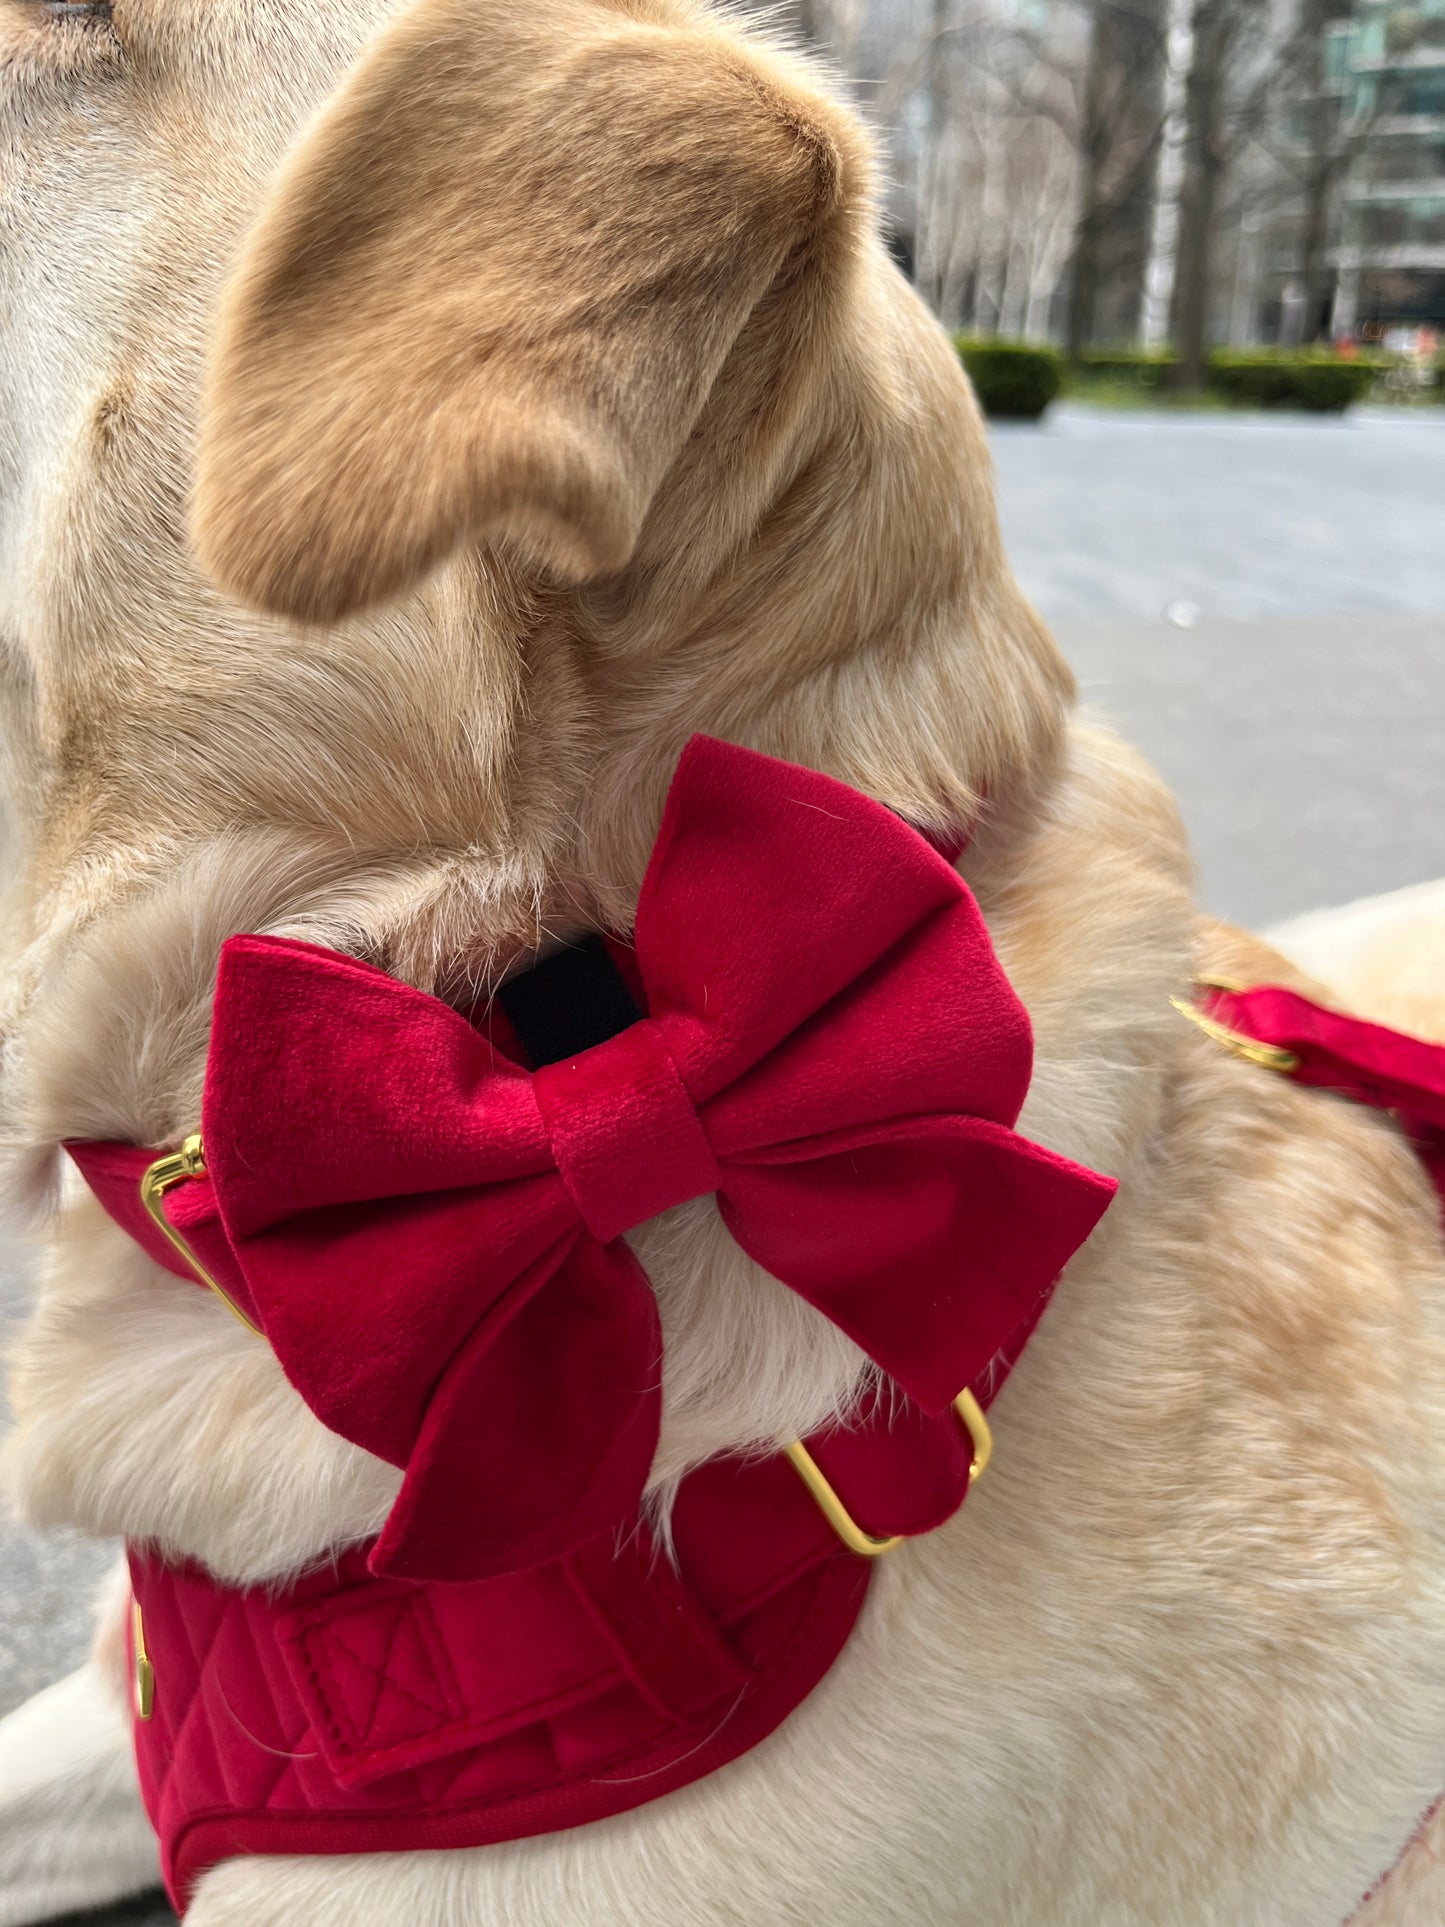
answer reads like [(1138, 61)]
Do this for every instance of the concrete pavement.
[(1299, 714), (1259, 602), (1308, 755), (1112, 516)]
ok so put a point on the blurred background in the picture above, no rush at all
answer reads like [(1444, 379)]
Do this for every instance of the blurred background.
[(1193, 253), (1143, 173)]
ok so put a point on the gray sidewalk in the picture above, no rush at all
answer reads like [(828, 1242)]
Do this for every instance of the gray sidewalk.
[(1259, 602), (1258, 518), (1300, 719), (1307, 755)]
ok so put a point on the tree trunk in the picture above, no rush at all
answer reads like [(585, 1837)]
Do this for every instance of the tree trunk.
[(1195, 288), (1314, 267), (1161, 266), (932, 198), (1215, 24), (1094, 137)]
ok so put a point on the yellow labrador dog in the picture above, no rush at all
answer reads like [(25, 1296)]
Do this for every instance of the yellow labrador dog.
[(417, 418)]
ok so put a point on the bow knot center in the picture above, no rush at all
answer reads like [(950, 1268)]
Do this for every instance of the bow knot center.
[(626, 1136)]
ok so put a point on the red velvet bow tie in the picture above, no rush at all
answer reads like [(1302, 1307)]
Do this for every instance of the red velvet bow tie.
[(431, 1236)]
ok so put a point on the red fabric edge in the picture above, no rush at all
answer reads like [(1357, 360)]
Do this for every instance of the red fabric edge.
[(1400, 1858)]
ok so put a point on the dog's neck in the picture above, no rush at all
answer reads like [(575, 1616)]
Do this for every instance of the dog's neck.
[(486, 759)]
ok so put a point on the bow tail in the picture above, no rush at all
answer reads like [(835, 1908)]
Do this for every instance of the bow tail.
[(539, 1436), (928, 1241), (483, 1343)]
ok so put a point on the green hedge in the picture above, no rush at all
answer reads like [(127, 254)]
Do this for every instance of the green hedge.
[(1131, 367), (1018, 382), (1321, 384), (1012, 382)]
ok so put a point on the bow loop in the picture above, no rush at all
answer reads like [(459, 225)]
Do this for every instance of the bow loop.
[(771, 891), (628, 1142)]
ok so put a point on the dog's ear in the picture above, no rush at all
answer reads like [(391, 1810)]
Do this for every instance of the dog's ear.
[(491, 292)]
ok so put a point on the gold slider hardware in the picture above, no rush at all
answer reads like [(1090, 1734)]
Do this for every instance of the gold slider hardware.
[(1269, 1057), (837, 1514), (164, 1175), (145, 1673)]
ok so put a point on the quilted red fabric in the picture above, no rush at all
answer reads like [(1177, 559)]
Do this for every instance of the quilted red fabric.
[(356, 1714)]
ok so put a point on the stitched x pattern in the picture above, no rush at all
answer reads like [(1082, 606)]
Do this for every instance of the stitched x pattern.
[(382, 1675)]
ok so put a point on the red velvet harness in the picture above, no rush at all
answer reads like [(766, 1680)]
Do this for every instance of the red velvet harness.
[(355, 1714), (447, 1286)]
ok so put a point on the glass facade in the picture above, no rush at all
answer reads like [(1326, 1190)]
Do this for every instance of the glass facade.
[(1386, 66)]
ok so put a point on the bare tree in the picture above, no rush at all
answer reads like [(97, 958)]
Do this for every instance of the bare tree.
[(1099, 150), (938, 56), (1091, 75), (1121, 125), (1328, 147), (1218, 29), (999, 188), (1332, 124), (1254, 67), (1161, 268)]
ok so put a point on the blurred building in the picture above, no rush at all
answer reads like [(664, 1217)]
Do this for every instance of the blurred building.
[(1358, 245), (1043, 158), (1387, 65)]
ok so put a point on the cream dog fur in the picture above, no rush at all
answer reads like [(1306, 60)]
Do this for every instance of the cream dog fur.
[(536, 373)]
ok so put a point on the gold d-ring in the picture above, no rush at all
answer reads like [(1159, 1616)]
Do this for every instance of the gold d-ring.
[(837, 1514), (1270, 1056), (145, 1672), (163, 1176)]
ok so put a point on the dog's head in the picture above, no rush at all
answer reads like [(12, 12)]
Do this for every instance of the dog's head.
[(417, 419)]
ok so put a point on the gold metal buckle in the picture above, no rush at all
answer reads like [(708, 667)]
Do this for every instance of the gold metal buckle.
[(1269, 1057), (164, 1175), (145, 1673), (837, 1514)]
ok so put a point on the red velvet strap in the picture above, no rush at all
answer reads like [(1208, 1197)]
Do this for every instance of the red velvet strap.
[(356, 1714), (1385, 1069), (373, 1717), (670, 1650)]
